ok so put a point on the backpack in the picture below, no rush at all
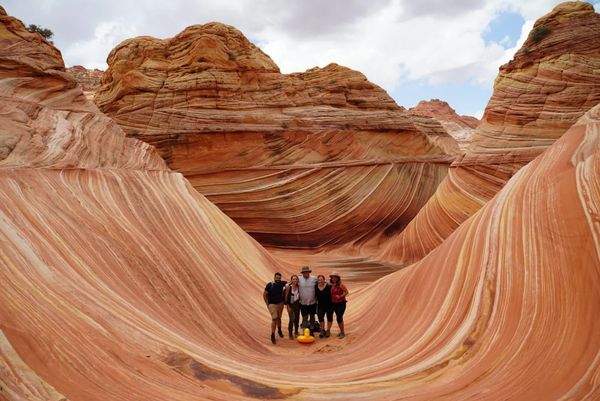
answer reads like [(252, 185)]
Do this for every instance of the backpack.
[(316, 327)]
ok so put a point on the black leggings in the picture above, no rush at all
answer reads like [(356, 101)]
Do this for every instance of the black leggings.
[(324, 309), (294, 312), (339, 308)]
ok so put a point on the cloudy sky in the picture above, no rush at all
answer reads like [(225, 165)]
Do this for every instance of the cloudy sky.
[(415, 49)]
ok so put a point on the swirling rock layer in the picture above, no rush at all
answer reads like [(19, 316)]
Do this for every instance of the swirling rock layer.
[(119, 281), (94, 231), (552, 80), (300, 160)]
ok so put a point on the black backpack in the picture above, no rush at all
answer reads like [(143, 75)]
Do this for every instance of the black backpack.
[(317, 327)]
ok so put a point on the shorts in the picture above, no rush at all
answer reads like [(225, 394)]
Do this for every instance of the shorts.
[(276, 310)]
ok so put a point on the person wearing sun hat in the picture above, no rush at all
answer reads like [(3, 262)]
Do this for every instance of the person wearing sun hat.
[(308, 300), (338, 300)]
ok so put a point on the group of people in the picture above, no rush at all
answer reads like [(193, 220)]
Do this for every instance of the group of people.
[(306, 296)]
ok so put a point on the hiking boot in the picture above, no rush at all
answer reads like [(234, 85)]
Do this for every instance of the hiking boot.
[(280, 333), (273, 338), (341, 335), (297, 334), (327, 333), (322, 334), (291, 336)]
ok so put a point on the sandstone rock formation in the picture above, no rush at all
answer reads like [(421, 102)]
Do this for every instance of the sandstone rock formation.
[(552, 80), (513, 289), (94, 231), (118, 281), (461, 128), (88, 79), (299, 160)]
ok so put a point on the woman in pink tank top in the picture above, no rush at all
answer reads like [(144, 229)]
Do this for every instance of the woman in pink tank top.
[(338, 300)]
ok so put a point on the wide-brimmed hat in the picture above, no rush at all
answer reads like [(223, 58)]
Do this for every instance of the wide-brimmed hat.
[(336, 274), (305, 269)]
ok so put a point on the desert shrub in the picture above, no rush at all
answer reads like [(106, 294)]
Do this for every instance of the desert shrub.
[(539, 33), (45, 32)]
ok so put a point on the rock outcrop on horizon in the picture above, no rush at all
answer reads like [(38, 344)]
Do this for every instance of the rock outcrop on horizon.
[(297, 160), (120, 282), (89, 79), (461, 128), (553, 79)]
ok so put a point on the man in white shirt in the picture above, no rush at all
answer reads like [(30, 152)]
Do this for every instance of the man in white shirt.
[(308, 301)]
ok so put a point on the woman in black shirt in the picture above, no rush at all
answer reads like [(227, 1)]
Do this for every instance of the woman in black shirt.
[(323, 294)]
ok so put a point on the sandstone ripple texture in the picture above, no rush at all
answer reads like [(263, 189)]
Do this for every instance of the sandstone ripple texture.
[(552, 80), (120, 282), (300, 160)]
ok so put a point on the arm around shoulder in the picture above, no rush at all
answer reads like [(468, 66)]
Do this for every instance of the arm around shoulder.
[(286, 291)]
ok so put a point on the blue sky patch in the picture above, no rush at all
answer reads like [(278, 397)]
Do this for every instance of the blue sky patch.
[(466, 98), (505, 29)]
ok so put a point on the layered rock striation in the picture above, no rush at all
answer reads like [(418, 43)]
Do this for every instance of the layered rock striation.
[(461, 128), (552, 80), (513, 289), (119, 281), (298, 160), (97, 236)]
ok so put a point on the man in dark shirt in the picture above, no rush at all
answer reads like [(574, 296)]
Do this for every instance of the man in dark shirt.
[(273, 296)]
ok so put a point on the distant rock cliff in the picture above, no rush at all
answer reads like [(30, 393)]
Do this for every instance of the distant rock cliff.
[(88, 79), (298, 160), (461, 128), (551, 82)]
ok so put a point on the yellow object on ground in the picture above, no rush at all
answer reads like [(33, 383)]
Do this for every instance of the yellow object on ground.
[(306, 338)]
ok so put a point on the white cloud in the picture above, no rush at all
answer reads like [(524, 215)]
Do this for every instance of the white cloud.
[(106, 35), (390, 41)]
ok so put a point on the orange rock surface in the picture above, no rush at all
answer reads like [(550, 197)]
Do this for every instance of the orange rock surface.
[(94, 231), (299, 160), (461, 128), (552, 80), (119, 281)]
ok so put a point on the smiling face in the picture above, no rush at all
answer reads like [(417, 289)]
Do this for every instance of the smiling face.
[(306, 274), (277, 277), (320, 279), (294, 280)]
